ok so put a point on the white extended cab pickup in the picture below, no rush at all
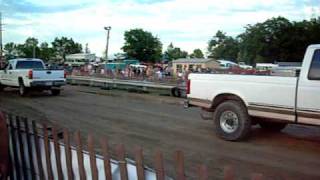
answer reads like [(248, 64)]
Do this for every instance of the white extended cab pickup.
[(31, 74), (238, 101)]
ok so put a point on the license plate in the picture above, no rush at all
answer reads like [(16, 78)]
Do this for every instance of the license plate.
[(48, 83)]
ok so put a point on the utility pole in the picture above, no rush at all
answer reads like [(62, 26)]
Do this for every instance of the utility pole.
[(1, 46), (108, 35)]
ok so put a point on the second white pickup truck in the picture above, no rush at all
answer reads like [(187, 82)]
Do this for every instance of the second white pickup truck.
[(239, 101), (31, 74)]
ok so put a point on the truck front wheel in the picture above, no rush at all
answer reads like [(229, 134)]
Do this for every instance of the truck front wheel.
[(22, 88), (55, 92), (231, 121)]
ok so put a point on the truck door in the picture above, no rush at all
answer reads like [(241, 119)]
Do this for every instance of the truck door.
[(6, 78), (308, 97)]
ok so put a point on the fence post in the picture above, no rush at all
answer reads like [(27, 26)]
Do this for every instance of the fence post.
[(21, 148), (256, 176), (179, 158), (37, 148), (203, 172), (92, 154), (67, 149), (228, 173), (47, 151), (139, 163), (106, 158), (4, 147), (159, 165), (80, 156), (122, 162), (14, 147), (26, 126), (57, 152)]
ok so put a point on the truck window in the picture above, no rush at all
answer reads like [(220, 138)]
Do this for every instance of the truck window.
[(314, 72), (29, 65)]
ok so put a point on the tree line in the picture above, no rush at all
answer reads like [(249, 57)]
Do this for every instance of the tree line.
[(276, 39), (31, 48)]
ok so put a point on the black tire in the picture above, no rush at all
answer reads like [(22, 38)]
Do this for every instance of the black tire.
[(55, 92), (1, 88), (272, 126), (231, 121), (176, 92), (22, 89)]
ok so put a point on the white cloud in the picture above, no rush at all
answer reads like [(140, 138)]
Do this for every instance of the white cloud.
[(188, 24)]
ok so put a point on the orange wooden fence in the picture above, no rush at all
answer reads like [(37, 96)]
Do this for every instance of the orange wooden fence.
[(30, 161)]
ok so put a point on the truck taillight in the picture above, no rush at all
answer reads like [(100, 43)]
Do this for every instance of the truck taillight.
[(30, 74), (188, 86), (65, 74)]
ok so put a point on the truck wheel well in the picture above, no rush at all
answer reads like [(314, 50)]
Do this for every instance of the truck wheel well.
[(20, 80), (224, 97)]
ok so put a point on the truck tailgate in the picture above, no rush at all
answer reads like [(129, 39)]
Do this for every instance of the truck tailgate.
[(48, 74)]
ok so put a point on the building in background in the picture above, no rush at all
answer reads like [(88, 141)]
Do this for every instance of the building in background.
[(79, 59), (193, 64)]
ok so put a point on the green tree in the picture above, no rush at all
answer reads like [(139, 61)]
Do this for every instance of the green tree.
[(10, 50), (64, 46), (278, 39), (222, 46), (197, 53), (30, 47), (46, 52), (173, 53), (142, 45)]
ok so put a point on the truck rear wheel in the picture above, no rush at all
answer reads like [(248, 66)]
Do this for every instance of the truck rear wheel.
[(272, 126), (22, 89), (55, 92), (231, 121)]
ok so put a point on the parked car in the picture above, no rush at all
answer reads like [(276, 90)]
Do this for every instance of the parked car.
[(31, 74), (238, 101), (243, 65)]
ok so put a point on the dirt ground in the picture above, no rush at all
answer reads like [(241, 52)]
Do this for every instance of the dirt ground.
[(159, 122)]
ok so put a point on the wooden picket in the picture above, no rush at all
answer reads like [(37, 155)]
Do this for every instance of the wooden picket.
[(20, 129), (93, 163), (66, 139), (31, 155), (21, 148), (37, 149), (159, 166), (80, 156), (122, 161), (57, 152), (203, 172), (139, 163), (106, 158), (47, 151)]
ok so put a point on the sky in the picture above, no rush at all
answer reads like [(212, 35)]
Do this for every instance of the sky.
[(188, 24)]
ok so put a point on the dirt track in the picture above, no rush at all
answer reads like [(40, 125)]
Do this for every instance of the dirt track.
[(159, 122)]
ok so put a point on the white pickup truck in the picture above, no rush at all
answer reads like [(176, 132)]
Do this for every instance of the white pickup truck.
[(238, 101), (31, 74)]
